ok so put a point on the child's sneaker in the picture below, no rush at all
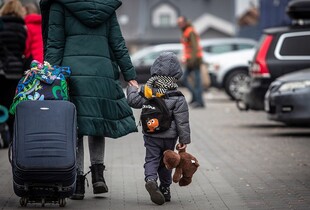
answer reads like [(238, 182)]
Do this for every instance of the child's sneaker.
[(156, 196), (166, 192)]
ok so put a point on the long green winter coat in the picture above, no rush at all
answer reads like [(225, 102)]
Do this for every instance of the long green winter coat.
[(85, 35)]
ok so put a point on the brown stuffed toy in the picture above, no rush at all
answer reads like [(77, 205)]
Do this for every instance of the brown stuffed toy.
[(184, 163)]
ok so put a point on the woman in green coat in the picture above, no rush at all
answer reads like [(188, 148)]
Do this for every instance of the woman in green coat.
[(85, 35)]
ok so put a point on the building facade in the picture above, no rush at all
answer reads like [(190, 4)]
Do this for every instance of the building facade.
[(145, 22), (268, 13)]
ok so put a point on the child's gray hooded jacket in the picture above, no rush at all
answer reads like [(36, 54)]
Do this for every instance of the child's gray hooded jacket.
[(166, 64)]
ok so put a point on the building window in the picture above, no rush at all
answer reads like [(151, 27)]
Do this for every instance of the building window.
[(164, 15), (165, 20)]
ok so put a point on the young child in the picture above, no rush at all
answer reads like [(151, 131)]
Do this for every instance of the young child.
[(165, 72)]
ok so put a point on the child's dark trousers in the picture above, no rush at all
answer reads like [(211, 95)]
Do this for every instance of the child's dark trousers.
[(154, 167)]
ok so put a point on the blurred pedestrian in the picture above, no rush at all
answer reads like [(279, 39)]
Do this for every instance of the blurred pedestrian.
[(192, 57), (85, 35), (34, 43), (165, 72), (12, 46)]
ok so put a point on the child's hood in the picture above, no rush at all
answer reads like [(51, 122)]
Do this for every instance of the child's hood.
[(167, 64)]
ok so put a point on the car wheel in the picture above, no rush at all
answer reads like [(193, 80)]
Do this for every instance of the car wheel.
[(236, 83)]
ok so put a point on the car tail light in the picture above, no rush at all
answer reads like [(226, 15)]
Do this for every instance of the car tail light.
[(259, 67)]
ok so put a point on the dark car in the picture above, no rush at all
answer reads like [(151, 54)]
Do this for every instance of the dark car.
[(287, 99), (281, 50)]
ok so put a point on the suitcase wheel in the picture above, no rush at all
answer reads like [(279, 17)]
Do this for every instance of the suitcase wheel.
[(23, 201), (62, 202)]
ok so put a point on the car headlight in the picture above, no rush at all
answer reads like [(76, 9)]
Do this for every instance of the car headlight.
[(290, 86), (213, 67)]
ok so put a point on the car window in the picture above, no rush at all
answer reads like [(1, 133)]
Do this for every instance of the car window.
[(149, 59), (140, 53), (244, 46), (217, 49), (293, 46), (177, 52)]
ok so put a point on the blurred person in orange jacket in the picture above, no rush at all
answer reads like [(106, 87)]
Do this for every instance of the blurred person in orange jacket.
[(192, 57)]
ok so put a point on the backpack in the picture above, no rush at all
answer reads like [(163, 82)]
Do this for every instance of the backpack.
[(155, 116)]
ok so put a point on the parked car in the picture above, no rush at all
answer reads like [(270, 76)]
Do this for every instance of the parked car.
[(144, 58), (282, 50), (287, 98), (224, 45), (231, 71)]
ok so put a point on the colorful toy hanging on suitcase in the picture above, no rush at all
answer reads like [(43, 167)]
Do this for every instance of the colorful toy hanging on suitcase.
[(42, 82)]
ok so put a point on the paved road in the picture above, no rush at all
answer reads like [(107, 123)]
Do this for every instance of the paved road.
[(246, 162)]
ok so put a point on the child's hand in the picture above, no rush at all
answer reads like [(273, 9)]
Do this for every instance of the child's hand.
[(181, 146), (133, 83)]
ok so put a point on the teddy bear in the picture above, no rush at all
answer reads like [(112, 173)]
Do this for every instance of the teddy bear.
[(184, 163)]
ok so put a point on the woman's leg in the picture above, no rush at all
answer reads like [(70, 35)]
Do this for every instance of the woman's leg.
[(80, 156), (80, 180), (96, 146)]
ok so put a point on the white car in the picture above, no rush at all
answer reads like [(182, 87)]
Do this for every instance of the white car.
[(144, 58), (230, 71), (224, 45)]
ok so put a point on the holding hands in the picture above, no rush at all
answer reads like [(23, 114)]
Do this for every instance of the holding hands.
[(133, 83)]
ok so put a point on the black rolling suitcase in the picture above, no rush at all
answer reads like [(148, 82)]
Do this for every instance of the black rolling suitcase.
[(43, 151)]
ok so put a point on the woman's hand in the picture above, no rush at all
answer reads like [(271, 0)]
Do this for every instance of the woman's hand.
[(133, 83)]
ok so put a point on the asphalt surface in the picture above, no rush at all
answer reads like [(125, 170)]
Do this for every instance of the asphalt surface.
[(246, 162)]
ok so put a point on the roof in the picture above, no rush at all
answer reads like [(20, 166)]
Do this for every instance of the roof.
[(206, 21)]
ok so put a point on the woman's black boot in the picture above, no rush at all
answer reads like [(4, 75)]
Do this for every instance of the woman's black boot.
[(79, 188), (99, 185)]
